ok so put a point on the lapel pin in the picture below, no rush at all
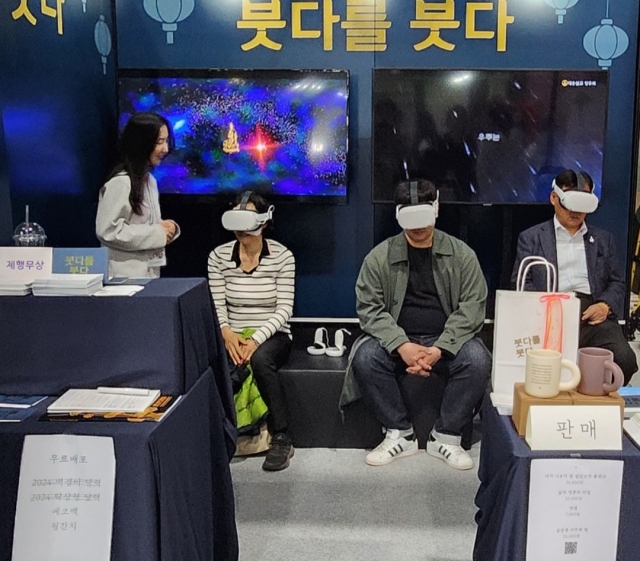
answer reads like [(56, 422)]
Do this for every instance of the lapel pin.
[(591, 240)]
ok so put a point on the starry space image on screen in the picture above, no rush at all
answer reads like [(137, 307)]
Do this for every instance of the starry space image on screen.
[(276, 134), (487, 136)]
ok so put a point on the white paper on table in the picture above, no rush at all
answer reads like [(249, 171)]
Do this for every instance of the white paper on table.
[(632, 428), (119, 290), (503, 402), (574, 509), (96, 401), (65, 498)]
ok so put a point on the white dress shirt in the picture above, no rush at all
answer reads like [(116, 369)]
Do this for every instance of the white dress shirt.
[(572, 259)]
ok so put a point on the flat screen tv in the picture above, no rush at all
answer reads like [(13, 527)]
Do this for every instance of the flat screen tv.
[(487, 136), (283, 133)]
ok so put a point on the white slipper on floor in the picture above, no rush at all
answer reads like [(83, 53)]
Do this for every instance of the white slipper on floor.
[(320, 342), (339, 347)]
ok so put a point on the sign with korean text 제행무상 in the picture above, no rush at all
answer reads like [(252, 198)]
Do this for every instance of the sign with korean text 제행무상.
[(25, 263)]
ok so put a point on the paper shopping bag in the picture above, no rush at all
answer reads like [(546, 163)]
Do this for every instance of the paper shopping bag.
[(531, 320)]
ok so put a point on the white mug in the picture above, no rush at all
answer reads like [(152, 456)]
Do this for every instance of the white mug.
[(543, 372)]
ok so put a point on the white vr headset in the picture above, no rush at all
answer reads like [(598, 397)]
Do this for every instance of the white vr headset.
[(576, 201), (245, 220), (416, 215)]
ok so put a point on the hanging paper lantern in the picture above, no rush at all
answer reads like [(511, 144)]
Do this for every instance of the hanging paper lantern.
[(102, 37), (169, 13), (561, 7), (605, 42)]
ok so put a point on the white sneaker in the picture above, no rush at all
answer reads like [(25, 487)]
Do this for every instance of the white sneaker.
[(447, 448), (391, 448)]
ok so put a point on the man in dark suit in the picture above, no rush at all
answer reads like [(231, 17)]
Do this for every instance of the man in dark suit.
[(586, 260)]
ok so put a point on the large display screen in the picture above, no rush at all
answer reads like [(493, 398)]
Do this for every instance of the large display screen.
[(487, 136), (279, 132)]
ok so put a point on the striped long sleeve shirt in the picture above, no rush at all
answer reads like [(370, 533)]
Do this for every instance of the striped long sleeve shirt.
[(261, 299)]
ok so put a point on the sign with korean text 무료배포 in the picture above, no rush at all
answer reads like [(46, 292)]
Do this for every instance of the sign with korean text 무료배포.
[(574, 509), (65, 498)]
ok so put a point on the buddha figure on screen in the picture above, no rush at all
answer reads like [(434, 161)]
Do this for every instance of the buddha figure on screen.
[(230, 144)]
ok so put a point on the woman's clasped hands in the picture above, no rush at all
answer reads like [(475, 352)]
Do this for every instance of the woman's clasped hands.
[(240, 349)]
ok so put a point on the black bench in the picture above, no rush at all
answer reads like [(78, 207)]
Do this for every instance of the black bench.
[(312, 386)]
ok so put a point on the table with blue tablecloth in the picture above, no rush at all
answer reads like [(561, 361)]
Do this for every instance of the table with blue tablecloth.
[(162, 337), (503, 497), (173, 495)]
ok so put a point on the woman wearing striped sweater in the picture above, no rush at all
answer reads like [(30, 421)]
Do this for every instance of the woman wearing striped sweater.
[(252, 284)]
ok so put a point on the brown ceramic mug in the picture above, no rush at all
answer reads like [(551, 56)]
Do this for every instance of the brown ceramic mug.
[(600, 375)]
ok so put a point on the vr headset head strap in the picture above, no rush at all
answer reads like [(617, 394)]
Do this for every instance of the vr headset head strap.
[(245, 199), (413, 189)]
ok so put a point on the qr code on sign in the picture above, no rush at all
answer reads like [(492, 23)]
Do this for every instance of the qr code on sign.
[(570, 548)]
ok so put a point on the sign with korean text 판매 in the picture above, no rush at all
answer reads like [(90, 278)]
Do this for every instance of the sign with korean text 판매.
[(25, 263), (65, 498), (574, 427), (574, 509)]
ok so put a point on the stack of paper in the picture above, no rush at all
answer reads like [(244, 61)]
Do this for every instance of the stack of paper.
[(67, 285), (20, 401), (631, 396), (15, 287), (16, 408), (632, 428), (503, 403), (103, 400), (119, 290)]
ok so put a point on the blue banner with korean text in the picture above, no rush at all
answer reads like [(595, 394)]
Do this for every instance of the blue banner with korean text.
[(88, 260)]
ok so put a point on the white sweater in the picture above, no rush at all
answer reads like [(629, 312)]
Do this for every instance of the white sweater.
[(260, 300), (136, 242)]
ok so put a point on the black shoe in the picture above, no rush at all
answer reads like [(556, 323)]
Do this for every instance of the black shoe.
[(279, 454)]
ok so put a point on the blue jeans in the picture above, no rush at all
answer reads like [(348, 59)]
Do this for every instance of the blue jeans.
[(466, 375)]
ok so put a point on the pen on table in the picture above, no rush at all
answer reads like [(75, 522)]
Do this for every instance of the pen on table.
[(124, 391)]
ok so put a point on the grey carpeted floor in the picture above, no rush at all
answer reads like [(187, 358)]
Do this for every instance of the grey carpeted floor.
[(329, 505)]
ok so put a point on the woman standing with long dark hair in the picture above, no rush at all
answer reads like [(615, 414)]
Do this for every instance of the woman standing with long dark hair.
[(129, 222)]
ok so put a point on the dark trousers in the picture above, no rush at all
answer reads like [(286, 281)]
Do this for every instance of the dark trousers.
[(608, 335), (378, 374), (265, 362)]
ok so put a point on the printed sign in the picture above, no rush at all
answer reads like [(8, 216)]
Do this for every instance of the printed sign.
[(25, 263)]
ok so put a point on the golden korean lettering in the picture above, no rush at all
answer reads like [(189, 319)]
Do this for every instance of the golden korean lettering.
[(54, 13), (504, 19), (22, 11), (261, 16), (434, 16), (329, 19), (366, 25)]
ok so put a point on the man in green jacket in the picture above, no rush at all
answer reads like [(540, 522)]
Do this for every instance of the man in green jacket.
[(420, 300)]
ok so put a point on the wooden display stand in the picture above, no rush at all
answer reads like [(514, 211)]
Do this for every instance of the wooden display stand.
[(522, 401), (611, 399)]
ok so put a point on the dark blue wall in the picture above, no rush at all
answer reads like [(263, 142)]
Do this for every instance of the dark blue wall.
[(59, 115), (5, 198), (58, 110), (330, 242)]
